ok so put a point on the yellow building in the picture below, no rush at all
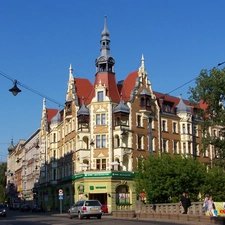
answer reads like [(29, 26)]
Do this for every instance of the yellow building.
[(90, 148)]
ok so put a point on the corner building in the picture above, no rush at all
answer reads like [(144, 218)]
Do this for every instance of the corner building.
[(90, 148)]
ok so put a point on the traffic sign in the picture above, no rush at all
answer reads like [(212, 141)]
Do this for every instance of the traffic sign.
[(60, 191), (60, 197)]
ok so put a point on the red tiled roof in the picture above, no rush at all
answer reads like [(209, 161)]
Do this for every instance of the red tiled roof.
[(50, 114), (83, 89), (109, 80), (128, 85)]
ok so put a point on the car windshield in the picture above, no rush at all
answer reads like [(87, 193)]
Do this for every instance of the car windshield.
[(92, 203), (1, 206)]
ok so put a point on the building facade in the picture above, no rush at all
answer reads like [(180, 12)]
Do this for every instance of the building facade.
[(90, 148)]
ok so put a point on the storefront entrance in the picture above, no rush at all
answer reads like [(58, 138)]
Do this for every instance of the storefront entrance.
[(101, 197)]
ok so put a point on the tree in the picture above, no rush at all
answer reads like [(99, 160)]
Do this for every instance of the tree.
[(215, 183), (165, 177), (210, 94), (3, 168)]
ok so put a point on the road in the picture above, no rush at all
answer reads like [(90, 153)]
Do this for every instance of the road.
[(28, 218)]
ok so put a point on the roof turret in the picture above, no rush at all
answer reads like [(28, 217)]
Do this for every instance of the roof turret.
[(122, 107), (11, 146), (182, 107), (83, 109)]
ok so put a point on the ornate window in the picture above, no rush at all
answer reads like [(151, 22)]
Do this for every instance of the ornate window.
[(100, 96), (122, 195)]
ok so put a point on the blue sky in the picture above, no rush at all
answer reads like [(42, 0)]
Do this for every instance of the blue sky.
[(40, 39)]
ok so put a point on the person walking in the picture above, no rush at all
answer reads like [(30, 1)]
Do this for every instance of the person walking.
[(205, 203), (184, 202), (211, 207)]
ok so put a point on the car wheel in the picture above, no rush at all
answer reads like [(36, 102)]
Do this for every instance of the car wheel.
[(80, 217), (70, 216), (99, 217)]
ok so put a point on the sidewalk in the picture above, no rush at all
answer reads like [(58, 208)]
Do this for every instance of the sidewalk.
[(184, 219)]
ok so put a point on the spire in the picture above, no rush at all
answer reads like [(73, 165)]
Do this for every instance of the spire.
[(70, 72), (142, 61), (11, 147), (142, 67), (105, 63), (44, 104), (105, 32)]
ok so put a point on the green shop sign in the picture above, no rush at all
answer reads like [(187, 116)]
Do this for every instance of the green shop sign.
[(100, 187), (119, 174)]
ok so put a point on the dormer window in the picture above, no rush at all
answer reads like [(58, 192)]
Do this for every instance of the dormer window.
[(100, 96)]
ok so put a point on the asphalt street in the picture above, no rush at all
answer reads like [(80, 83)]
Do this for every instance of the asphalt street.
[(28, 218)]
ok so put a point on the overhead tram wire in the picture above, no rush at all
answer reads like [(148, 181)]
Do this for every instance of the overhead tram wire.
[(60, 104), (219, 64), (32, 90)]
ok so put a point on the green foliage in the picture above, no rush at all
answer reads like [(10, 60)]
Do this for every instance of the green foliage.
[(165, 177), (210, 90), (215, 184), (3, 167)]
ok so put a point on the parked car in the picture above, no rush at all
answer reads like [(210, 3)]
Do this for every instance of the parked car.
[(104, 208), (85, 208), (25, 207), (37, 208), (2, 210)]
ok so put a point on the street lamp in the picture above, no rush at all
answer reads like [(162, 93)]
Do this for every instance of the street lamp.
[(15, 90)]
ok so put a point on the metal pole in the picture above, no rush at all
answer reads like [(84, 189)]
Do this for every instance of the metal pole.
[(150, 135), (60, 206)]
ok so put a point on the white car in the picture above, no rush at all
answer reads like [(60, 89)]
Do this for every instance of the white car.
[(85, 208)]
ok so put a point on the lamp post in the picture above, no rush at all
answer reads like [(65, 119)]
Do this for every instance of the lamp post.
[(150, 135)]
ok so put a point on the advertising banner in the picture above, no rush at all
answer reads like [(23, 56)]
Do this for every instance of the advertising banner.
[(219, 209)]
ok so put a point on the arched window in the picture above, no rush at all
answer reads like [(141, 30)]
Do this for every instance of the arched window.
[(122, 195)]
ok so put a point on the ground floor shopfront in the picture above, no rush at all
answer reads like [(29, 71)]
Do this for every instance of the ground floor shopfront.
[(113, 188)]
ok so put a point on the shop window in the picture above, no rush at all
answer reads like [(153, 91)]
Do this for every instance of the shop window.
[(122, 195)]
